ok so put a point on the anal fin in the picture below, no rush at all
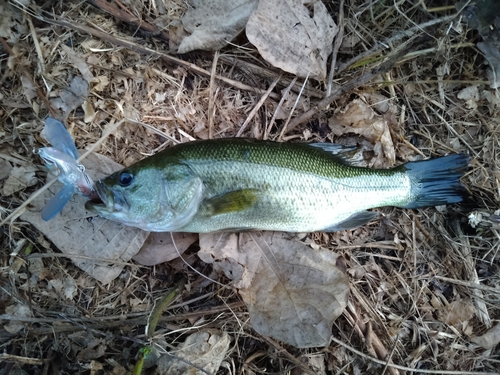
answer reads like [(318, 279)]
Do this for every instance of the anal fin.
[(353, 221)]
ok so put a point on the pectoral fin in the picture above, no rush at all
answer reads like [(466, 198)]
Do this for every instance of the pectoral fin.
[(233, 201), (353, 221)]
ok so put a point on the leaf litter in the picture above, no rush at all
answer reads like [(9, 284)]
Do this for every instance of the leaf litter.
[(408, 270), (292, 37), (99, 247), (293, 293)]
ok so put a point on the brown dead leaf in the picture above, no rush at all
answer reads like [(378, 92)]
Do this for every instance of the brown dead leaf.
[(71, 97), (89, 111), (28, 88), (456, 312), (204, 349), (489, 339), (470, 95), (65, 287), (5, 168), (293, 293), (359, 118), (96, 245), (293, 35), (79, 63), (19, 311), (159, 247), (214, 23), (11, 22), (89, 353), (20, 178)]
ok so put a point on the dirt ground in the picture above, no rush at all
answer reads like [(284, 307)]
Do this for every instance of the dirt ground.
[(425, 283)]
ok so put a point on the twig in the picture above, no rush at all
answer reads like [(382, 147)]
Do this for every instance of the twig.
[(336, 46), (409, 369), (211, 111), (469, 284), (110, 8), (148, 51), (285, 80), (397, 37), (350, 86), (289, 356), (257, 106), (25, 72), (283, 131), (4, 357), (280, 104), (37, 45)]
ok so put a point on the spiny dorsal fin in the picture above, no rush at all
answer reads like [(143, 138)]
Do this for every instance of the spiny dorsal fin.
[(345, 154)]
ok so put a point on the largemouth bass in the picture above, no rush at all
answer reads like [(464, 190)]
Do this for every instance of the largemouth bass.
[(242, 184)]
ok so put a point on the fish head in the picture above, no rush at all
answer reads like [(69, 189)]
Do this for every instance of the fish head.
[(147, 197)]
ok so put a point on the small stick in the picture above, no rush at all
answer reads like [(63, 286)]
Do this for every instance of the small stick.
[(28, 76), (127, 17), (280, 104), (293, 110), (336, 46), (350, 86), (37, 45), (148, 51), (397, 37), (4, 357), (211, 110), (257, 106)]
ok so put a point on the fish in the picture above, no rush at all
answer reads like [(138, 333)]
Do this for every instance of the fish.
[(238, 184)]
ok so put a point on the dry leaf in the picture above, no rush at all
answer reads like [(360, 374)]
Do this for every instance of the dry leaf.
[(98, 246), (489, 339), (11, 23), (359, 118), (28, 88), (101, 83), (456, 312), (214, 23), (294, 35), (89, 111), (19, 179), (19, 311), (159, 247), (293, 293), (79, 63), (204, 349), (5, 168), (65, 287), (71, 97), (491, 50), (471, 96)]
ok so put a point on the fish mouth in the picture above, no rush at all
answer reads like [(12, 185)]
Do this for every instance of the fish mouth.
[(108, 201)]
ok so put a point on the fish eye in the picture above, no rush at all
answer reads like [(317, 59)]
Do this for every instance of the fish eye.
[(125, 178)]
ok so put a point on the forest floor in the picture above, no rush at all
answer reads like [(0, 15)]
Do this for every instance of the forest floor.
[(411, 80)]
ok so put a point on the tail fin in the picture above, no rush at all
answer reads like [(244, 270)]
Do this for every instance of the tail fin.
[(437, 181)]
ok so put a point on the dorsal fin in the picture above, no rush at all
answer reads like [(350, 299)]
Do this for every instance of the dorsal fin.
[(345, 154)]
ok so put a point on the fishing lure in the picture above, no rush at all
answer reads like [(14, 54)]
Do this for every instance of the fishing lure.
[(62, 160)]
